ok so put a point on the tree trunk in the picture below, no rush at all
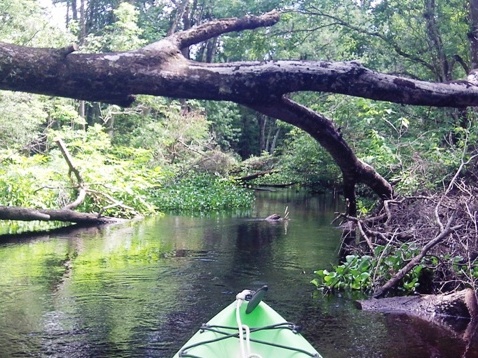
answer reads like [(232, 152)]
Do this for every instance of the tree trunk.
[(262, 120), (441, 65), (82, 36)]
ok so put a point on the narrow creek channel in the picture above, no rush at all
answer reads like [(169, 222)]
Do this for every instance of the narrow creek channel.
[(142, 289)]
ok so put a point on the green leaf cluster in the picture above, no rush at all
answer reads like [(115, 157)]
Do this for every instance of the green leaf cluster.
[(353, 274), (366, 272)]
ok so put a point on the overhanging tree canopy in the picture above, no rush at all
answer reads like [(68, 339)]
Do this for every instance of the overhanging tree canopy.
[(160, 69)]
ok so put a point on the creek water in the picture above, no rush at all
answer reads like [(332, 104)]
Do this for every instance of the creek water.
[(142, 289)]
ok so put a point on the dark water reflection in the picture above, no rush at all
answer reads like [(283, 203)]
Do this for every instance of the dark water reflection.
[(142, 289)]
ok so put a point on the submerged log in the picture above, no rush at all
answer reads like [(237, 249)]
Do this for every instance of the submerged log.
[(249, 177), (457, 311)]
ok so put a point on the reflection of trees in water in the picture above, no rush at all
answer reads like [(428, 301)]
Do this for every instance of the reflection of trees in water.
[(430, 340), (253, 236), (252, 254), (301, 204)]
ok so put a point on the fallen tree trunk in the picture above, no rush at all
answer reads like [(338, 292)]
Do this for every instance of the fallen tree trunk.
[(256, 175), (65, 215), (160, 69)]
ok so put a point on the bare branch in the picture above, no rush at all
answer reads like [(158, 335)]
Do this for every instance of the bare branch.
[(218, 27), (69, 161)]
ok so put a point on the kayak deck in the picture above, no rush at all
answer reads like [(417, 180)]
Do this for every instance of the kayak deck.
[(270, 336)]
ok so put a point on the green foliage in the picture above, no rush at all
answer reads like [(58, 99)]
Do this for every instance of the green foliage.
[(367, 272), (124, 34), (353, 274), (177, 134), (224, 118), (21, 118), (124, 174), (121, 35), (23, 181), (201, 193), (23, 22), (419, 148), (63, 112), (305, 162), (113, 175)]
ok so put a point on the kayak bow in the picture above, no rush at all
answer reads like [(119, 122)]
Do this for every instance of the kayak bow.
[(252, 330)]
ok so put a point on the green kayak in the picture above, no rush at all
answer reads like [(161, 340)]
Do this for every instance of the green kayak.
[(263, 334)]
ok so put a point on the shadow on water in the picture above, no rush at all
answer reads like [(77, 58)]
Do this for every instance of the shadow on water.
[(142, 289)]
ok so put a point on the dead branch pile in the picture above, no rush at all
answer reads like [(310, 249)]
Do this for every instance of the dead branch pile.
[(442, 227)]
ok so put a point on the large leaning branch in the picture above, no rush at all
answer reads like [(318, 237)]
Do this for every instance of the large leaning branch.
[(160, 69), (323, 130)]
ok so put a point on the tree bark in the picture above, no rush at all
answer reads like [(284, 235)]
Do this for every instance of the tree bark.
[(441, 65)]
